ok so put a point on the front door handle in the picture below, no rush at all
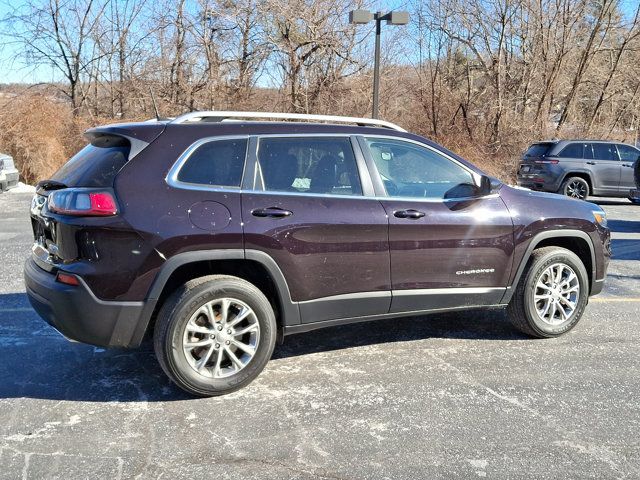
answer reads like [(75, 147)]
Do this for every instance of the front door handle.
[(414, 214), (591, 163), (271, 212)]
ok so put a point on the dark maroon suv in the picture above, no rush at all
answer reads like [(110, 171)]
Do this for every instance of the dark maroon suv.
[(219, 235)]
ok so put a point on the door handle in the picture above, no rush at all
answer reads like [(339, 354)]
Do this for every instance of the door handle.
[(413, 214), (271, 212), (591, 163), (627, 165)]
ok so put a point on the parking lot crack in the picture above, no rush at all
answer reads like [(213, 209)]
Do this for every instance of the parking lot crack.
[(570, 440)]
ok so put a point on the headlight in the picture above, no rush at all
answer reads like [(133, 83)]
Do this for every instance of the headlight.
[(600, 217)]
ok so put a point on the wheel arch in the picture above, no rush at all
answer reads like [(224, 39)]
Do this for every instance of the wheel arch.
[(254, 266), (575, 241), (579, 173)]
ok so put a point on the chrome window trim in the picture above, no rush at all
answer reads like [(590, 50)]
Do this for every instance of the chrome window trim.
[(379, 198), (172, 176)]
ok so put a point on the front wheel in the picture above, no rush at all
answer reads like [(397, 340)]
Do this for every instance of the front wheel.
[(214, 335), (551, 295), (575, 187)]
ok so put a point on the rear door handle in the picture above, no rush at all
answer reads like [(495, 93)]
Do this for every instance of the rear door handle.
[(271, 212), (591, 163), (627, 165), (413, 214)]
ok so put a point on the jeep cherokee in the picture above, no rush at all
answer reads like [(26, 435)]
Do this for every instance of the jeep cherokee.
[(218, 235)]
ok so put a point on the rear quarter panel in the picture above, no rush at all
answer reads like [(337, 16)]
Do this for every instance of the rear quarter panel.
[(160, 214)]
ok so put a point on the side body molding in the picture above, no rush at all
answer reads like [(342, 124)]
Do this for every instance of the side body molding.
[(535, 241), (290, 313)]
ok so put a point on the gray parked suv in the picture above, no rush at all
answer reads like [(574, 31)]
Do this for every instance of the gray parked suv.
[(8, 173), (579, 168)]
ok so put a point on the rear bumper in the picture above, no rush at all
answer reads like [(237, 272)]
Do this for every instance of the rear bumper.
[(78, 314), (538, 182)]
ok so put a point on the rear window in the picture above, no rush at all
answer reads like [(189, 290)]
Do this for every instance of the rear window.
[(604, 151), (216, 163), (93, 166), (539, 149)]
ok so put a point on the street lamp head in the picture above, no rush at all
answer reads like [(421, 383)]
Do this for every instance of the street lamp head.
[(398, 18), (360, 17)]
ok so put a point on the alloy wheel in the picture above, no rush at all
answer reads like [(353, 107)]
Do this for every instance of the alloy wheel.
[(576, 189), (556, 294), (221, 337)]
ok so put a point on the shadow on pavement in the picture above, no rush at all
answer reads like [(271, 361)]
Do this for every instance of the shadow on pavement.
[(624, 226), (39, 363), (598, 201), (624, 249)]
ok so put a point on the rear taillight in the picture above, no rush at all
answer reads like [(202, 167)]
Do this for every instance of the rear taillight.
[(67, 279), (547, 161), (82, 202)]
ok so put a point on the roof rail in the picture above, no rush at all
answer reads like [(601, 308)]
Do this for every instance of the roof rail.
[(227, 115)]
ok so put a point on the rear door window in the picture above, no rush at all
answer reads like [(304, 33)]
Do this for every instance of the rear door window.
[(604, 151), (573, 150), (588, 151), (321, 165), (215, 163), (539, 149)]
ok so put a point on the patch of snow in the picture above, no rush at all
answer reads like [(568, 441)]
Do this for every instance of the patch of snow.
[(23, 188)]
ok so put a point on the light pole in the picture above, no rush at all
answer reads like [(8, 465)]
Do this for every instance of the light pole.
[(361, 17)]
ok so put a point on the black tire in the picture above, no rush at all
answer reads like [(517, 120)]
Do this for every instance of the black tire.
[(522, 308), (179, 308), (575, 187)]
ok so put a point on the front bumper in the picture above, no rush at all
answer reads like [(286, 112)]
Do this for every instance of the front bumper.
[(78, 314)]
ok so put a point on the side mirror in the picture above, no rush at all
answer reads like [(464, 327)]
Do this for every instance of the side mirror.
[(489, 185)]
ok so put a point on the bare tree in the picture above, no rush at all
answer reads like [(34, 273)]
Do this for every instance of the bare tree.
[(60, 35)]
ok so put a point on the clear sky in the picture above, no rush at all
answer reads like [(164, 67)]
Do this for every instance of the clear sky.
[(12, 71)]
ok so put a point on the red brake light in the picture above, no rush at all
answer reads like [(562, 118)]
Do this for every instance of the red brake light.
[(546, 161), (103, 204), (67, 279), (82, 202)]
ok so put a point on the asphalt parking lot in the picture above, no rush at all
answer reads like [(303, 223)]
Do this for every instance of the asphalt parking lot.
[(458, 396)]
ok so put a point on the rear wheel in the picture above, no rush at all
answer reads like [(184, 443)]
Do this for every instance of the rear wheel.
[(551, 295), (575, 187), (214, 335)]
